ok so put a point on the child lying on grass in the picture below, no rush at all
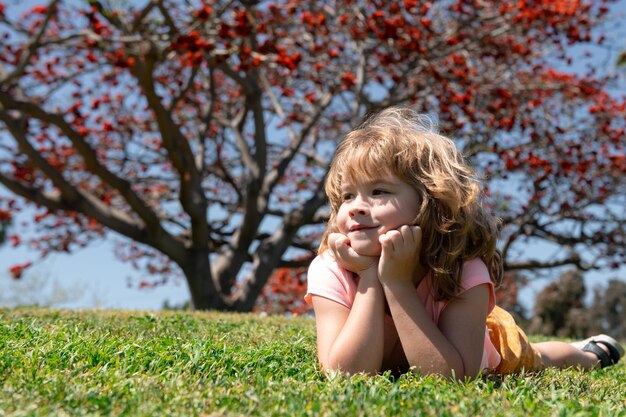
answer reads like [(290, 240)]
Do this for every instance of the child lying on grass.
[(406, 270)]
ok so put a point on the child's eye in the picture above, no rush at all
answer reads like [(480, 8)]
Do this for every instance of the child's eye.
[(379, 191), (347, 196)]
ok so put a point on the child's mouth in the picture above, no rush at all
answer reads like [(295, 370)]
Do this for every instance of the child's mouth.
[(362, 228)]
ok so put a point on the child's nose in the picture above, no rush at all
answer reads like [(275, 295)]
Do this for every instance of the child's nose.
[(358, 208), (356, 212)]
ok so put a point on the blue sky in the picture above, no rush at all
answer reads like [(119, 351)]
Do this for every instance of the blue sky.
[(93, 277)]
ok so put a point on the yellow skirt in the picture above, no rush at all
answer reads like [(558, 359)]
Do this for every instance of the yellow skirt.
[(512, 344)]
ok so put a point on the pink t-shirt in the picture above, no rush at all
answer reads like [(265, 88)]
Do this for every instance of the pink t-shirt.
[(327, 279)]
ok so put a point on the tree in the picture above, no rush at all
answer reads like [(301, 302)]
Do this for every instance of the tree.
[(560, 308), (201, 131), (557, 303), (608, 310), (42, 290)]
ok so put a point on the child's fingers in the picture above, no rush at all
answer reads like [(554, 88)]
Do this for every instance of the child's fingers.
[(385, 244), (340, 245), (408, 236), (412, 236), (391, 241), (333, 239), (417, 235), (343, 249)]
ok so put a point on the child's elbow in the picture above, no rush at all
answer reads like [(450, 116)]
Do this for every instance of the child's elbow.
[(462, 372), (334, 368), (450, 369)]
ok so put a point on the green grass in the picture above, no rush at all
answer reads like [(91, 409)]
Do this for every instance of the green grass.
[(211, 364)]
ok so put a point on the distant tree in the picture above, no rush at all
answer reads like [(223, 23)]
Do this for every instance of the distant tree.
[(608, 310), (557, 304), (201, 131), (560, 309), (40, 289)]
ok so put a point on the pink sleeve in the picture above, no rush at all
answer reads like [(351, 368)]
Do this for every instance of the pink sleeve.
[(475, 273), (326, 279)]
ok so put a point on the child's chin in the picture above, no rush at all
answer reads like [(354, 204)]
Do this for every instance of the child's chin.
[(367, 249)]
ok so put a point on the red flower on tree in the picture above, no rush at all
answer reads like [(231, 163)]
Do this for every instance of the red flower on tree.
[(17, 270)]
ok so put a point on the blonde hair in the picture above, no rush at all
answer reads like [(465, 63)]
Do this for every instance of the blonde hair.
[(455, 224)]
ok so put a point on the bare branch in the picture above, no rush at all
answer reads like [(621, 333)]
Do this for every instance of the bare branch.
[(174, 31), (300, 263), (176, 100), (83, 203), (236, 126), (33, 45), (85, 150), (191, 195), (574, 260), (274, 176), (144, 12), (112, 18)]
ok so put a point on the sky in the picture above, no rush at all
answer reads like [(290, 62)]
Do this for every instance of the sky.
[(94, 278)]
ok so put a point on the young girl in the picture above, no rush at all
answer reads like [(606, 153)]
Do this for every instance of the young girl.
[(407, 266)]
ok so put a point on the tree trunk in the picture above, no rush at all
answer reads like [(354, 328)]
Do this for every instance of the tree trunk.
[(204, 293)]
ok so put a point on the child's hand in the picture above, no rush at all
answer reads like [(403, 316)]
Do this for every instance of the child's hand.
[(400, 254), (347, 257)]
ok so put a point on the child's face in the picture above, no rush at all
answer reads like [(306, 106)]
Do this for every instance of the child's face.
[(373, 207)]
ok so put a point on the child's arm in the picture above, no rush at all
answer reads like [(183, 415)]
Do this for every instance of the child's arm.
[(455, 347), (352, 340)]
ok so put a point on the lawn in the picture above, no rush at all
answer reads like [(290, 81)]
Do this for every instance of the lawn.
[(212, 364)]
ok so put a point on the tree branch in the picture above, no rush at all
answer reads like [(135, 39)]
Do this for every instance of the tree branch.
[(174, 31), (144, 12), (83, 203), (574, 259), (271, 250), (33, 45), (152, 230), (85, 150), (236, 125), (274, 176), (179, 152)]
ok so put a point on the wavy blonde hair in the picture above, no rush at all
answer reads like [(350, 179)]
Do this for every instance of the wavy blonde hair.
[(455, 224)]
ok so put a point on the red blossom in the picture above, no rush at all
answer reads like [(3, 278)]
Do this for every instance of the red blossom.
[(5, 216), (203, 13), (565, 7), (17, 270), (287, 60), (284, 293), (15, 240), (307, 18), (348, 80), (39, 10), (409, 4)]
